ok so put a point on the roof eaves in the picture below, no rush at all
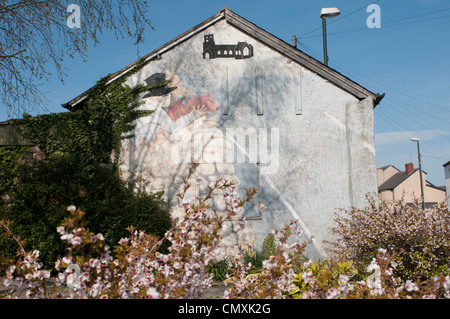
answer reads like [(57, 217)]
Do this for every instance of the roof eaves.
[(431, 185), (395, 180), (265, 37), (300, 57), (391, 183), (152, 55), (387, 166)]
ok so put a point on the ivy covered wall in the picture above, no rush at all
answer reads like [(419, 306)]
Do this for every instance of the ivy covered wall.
[(73, 161)]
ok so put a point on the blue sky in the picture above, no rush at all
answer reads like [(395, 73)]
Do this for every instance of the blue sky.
[(407, 58)]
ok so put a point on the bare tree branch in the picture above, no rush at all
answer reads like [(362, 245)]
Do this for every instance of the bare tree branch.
[(34, 35), (11, 55)]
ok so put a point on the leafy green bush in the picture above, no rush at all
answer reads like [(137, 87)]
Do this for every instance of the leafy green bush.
[(269, 246), (9, 161), (82, 149), (223, 267), (37, 203), (255, 258), (220, 268)]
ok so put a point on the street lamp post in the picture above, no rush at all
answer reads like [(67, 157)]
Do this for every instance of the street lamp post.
[(327, 13), (416, 139)]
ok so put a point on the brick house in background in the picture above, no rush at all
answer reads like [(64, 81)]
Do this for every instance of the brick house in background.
[(393, 184)]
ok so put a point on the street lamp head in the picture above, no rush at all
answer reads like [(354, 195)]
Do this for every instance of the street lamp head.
[(329, 12), (415, 139)]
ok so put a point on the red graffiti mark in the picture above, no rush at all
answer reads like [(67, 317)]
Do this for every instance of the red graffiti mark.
[(204, 103)]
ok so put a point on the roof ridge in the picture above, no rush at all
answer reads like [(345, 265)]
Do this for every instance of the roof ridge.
[(224, 9), (261, 35)]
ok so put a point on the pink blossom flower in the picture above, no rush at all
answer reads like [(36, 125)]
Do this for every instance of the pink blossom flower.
[(410, 286), (35, 254), (94, 263), (60, 230), (75, 240), (8, 281), (310, 294), (188, 201), (343, 279), (10, 271), (67, 237), (332, 293), (308, 277), (152, 293), (375, 286), (67, 260), (446, 285), (45, 274), (262, 207), (84, 276), (307, 263), (177, 265), (198, 181)]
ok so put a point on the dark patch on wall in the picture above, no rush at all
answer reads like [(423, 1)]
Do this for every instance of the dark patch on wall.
[(10, 136)]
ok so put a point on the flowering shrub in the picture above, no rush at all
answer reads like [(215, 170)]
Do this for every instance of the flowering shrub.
[(420, 238), (257, 256), (324, 279), (219, 269), (336, 280), (134, 268), (276, 277), (36, 204)]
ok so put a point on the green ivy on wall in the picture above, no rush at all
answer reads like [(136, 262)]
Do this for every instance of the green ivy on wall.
[(9, 162), (77, 170), (93, 133)]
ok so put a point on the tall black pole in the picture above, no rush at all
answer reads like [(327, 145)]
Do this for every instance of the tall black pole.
[(324, 33), (420, 171)]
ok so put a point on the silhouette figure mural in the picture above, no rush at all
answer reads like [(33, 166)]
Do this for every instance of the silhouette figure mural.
[(211, 50)]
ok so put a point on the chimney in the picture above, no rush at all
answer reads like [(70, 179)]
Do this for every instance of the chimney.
[(409, 168), (294, 41)]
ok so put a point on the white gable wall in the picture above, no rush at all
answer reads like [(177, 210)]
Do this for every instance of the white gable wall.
[(324, 158)]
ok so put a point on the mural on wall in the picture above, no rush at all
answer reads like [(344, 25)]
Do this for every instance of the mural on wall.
[(179, 132), (177, 111), (241, 50), (179, 116)]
